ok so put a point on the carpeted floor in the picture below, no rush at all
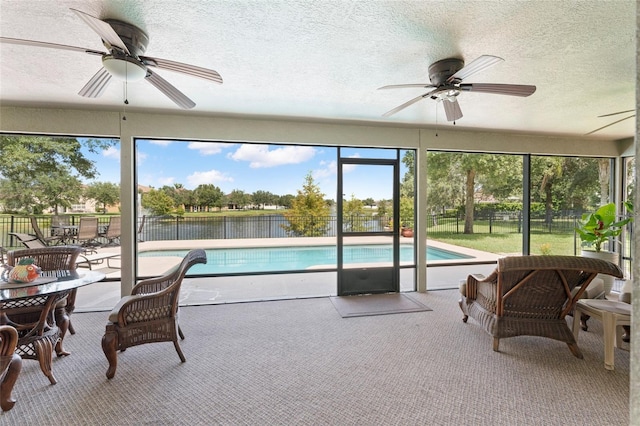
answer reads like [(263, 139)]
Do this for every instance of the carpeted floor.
[(298, 362)]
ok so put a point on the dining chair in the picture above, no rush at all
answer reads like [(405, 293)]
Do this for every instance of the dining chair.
[(10, 365), (149, 314), (60, 258)]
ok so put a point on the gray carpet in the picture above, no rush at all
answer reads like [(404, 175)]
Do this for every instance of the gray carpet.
[(297, 362), (376, 304)]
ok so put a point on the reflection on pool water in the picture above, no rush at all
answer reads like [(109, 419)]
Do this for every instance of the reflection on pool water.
[(257, 259)]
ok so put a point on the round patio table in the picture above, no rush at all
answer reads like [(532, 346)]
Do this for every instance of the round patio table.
[(37, 339)]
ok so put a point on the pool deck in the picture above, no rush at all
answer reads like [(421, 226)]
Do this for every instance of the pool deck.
[(101, 296)]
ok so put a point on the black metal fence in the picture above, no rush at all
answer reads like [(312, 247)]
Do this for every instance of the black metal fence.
[(155, 228), (152, 228)]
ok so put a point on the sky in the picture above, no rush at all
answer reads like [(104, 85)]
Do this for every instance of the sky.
[(279, 169)]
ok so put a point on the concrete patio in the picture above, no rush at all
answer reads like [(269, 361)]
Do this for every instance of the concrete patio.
[(101, 296)]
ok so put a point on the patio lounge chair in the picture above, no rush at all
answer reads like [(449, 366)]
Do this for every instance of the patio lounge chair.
[(531, 295), (31, 347), (47, 241), (28, 240), (88, 232), (149, 314), (113, 231), (140, 228)]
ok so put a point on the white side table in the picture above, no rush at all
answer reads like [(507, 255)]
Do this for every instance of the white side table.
[(613, 315)]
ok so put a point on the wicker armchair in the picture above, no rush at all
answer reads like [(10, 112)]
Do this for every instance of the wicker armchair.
[(10, 365), (531, 295), (149, 314), (31, 346)]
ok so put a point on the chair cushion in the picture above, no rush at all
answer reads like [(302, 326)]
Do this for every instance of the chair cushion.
[(625, 297), (595, 290), (463, 287)]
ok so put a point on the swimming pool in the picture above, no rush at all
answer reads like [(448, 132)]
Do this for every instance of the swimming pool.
[(267, 259)]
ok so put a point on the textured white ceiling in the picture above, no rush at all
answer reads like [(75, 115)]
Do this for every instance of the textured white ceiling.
[(315, 59)]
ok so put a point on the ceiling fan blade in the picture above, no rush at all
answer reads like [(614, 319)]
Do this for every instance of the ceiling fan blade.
[(477, 65), (616, 113), (452, 109), (192, 70), (95, 87), (404, 86), (610, 124), (104, 30), (500, 89), (22, 42), (169, 90), (404, 105)]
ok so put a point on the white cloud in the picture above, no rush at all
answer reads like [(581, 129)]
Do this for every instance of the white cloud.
[(259, 156), (159, 142), (329, 169), (208, 148), (112, 152), (214, 177)]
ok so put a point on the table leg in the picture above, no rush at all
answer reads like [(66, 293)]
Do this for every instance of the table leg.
[(609, 325)]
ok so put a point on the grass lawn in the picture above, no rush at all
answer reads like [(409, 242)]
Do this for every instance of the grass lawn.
[(556, 244)]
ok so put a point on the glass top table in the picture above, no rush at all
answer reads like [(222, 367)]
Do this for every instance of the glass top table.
[(30, 308), (50, 282)]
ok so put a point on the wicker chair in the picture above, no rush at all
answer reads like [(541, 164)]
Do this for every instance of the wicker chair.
[(149, 314), (531, 295), (10, 365), (31, 347)]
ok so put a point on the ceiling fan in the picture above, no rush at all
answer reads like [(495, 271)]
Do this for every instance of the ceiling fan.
[(126, 45), (615, 122), (446, 78)]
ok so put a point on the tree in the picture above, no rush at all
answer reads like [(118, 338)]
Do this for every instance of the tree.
[(25, 157), (286, 201), (58, 189), (369, 202), (105, 193), (208, 196), (353, 215), (238, 198), (179, 194), (261, 198), (309, 213), (43, 171), (385, 208), (407, 185), (157, 202)]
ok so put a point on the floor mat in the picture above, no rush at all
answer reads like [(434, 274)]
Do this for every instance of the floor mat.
[(376, 304)]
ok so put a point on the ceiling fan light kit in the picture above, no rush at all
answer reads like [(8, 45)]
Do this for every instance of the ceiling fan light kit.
[(126, 44), (446, 78), (124, 68)]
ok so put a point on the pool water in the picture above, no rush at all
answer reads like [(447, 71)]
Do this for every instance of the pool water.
[(258, 259)]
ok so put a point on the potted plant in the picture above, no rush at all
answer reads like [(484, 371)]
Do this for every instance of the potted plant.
[(602, 226)]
